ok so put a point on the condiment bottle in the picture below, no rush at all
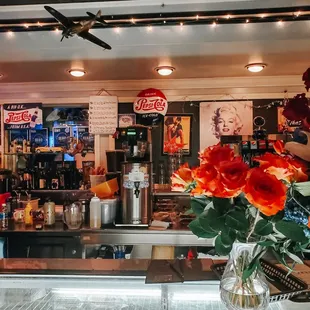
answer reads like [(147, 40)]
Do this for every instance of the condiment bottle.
[(28, 215), (49, 213), (95, 213)]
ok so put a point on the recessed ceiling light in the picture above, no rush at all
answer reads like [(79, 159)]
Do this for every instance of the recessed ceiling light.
[(165, 70), (256, 67), (77, 72)]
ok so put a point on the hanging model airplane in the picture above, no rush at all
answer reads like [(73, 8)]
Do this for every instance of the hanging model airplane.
[(80, 29)]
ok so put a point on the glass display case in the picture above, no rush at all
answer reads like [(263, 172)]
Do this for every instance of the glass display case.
[(29, 292)]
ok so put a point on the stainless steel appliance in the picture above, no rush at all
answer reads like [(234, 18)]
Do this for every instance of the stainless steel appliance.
[(108, 211), (136, 193), (135, 141)]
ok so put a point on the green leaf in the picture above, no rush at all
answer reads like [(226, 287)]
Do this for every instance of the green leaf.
[(294, 257), (266, 243), (221, 205), (220, 247), (197, 207), (228, 236), (237, 220), (253, 265), (212, 220), (197, 230), (291, 230), (263, 228), (189, 212), (241, 237)]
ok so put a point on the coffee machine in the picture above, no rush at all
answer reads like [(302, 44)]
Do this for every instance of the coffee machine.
[(136, 176)]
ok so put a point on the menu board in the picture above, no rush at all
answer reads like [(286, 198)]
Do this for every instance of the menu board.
[(103, 114)]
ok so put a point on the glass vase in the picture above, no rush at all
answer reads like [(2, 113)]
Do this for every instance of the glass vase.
[(253, 293)]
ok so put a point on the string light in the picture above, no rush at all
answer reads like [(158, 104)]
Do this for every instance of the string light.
[(164, 21), (247, 21), (149, 28), (214, 24), (228, 16), (39, 24), (297, 14), (10, 34), (263, 16), (26, 25), (280, 23), (181, 24), (56, 30), (133, 21), (117, 29), (197, 17)]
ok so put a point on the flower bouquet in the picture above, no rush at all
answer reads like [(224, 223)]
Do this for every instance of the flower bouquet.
[(248, 211)]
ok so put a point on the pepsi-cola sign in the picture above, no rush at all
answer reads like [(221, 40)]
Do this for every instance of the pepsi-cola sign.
[(151, 106)]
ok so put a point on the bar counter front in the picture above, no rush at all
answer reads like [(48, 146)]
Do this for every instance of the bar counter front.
[(111, 284)]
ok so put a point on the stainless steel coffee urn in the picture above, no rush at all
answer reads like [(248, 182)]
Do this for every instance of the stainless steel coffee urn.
[(136, 193)]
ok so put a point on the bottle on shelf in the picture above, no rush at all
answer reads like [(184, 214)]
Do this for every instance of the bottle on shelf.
[(4, 219), (27, 179), (95, 213), (54, 178), (28, 215), (42, 178)]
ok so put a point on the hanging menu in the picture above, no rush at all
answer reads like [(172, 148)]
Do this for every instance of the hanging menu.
[(103, 114)]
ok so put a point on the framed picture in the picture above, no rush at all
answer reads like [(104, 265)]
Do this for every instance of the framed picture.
[(126, 120), (178, 126), (224, 118)]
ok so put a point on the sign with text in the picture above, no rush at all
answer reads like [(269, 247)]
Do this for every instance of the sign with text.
[(103, 112), (22, 116), (151, 105)]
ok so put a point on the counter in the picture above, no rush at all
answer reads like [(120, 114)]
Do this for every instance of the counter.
[(117, 236), (106, 285)]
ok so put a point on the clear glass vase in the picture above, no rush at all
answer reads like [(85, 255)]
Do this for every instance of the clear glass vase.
[(253, 293)]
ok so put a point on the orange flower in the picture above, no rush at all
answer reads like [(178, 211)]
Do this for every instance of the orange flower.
[(299, 170), (275, 165), (278, 146), (204, 174), (181, 179), (233, 173), (214, 155), (265, 192)]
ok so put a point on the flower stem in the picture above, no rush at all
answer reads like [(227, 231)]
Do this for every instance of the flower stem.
[(253, 226)]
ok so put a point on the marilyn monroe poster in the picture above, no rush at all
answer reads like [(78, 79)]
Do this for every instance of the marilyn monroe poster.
[(224, 119)]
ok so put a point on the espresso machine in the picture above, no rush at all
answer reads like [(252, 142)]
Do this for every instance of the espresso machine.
[(136, 176)]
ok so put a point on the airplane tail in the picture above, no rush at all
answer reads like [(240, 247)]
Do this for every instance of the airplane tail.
[(98, 15)]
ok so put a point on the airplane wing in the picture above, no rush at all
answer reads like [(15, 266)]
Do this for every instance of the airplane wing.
[(61, 18), (90, 37)]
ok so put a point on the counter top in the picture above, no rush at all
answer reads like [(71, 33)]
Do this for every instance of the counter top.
[(117, 236)]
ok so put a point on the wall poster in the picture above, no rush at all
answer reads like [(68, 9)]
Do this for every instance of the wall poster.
[(22, 116), (178, 127), (224, 119), (285, 124)]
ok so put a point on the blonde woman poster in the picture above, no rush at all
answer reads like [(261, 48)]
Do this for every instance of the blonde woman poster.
[(224, 119)]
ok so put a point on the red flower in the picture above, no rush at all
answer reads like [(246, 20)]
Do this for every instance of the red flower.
[(181, 179), (265, 192), (214, 155), (297, 108), (275, 165), (278, 146), (233, 173), (306, 78), (299, 170)]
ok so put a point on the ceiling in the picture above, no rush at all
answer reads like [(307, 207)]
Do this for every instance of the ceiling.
[(195, 51)]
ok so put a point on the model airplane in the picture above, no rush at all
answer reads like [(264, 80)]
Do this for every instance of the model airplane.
[(80, 29)]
